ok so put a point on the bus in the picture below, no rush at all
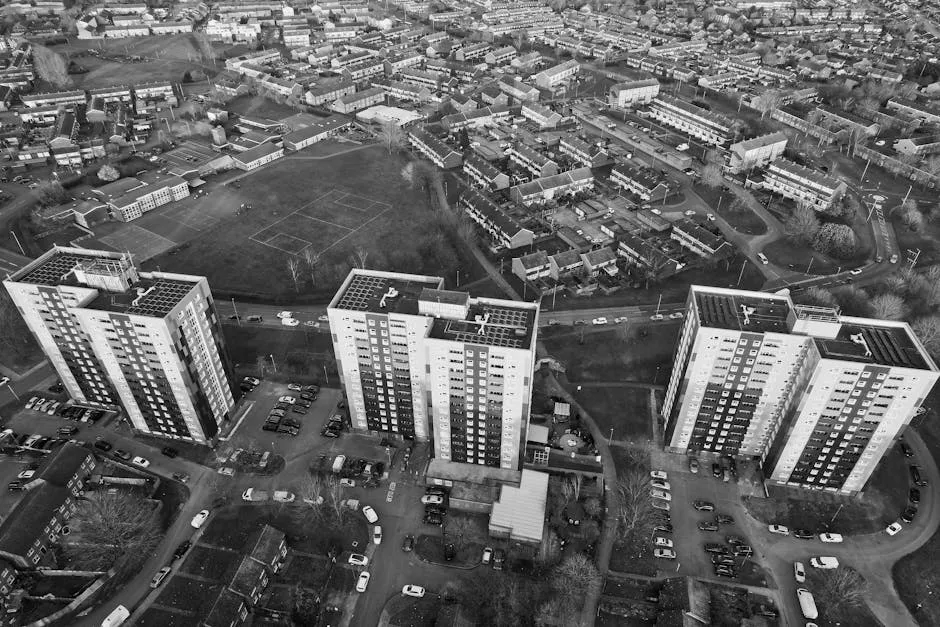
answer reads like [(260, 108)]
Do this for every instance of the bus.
[(807, 603), (117, 617)]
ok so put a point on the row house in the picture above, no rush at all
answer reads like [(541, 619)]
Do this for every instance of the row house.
[(500, 56), (914, 109), (796, 118), (600, 260), (171, 28), (399, 62), (473, 52), (757, 152), (353, 58), (414, 76), (532, 267), (359, 100), (646, 253), (527, 61), (485, 173), (156, 91), (364, 70), (40, 116), (138, 201), (518, 90), (633, 93), (700, 240), (319, 95), (541, 116), (125, 30), (33, 154), (644, 183), (58, 98), (404, 91), (676, 49), (918, 145), (553, 76), (548, 188), (340, 33), (232, 31), (565, 263), (34, 525), (462, 71), (802, 184), (487, 116), (116, 93), (439, 153), (707, 126), (280, 86), (846, 120), (586, 154), (532, 160), (504, 230)]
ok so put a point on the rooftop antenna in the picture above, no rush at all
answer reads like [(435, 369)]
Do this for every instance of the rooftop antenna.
[(391, 293), (747, 311), (859, 338)]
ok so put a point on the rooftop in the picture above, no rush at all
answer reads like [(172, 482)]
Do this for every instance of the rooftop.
[(489, 323), (866, 342), (373, 292), (155, 297), (742, 311)]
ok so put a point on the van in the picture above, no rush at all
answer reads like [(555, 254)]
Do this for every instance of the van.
[(338, 463), (763, 258)]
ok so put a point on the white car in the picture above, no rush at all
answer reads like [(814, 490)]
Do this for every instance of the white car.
[(676, 315), (31, 402), (659, 474), (323, 318), (140, 461), (228, 471), (294, 387), (487, 555), (656, 211), (660, 484), (856, 271), (284, 497), (710, 216), (599, 321), (347, 483), (690, 213), (663, 505), (661, 494), (285, 314), (620, 319), (290, 322), (26, 474), (311, 323), (377, 534), (778, 529), (199, 518), (363, 581), (370, 514), (831, 538), (432, 499), (657, 317), (666, 554), (799, 573), (412, 590), (893, 529), (663, 542), (159, 577), (824, 562), (358, 559), (290, 400)]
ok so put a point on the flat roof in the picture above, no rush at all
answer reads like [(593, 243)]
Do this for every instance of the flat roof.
[(876, 344), (489, 323), (155, 297), (364, 291), (521, 511), (743, 311), (51, 269)]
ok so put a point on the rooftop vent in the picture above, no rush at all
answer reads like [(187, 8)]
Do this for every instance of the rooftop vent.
[(859, 338), (391, 293)]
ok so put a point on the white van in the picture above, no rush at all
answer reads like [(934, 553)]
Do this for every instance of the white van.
[(117, 617), (763, 258)]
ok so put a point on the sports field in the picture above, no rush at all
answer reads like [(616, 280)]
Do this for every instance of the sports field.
[(359, 203)]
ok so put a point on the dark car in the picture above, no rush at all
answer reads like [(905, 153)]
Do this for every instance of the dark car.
[(103, 445), (68, 431), (908, 514), (716, 470), (255, 319), (303, 403), (433, 519), (707, 526), (437, 510), (181, 549), (169, 451), (297, 409), (721, 558), (434, 489), (711, 547), (914, 496), (16, 486), (667, 528), (329, 433), (282, 406), (122, 454), (724, 519), (499, 558), (733, 540), (450, 551), (408, 544), (269, 426), (307, 396), (703, 506), (181, 477), (57, 387), (907, 450), (803, 534), (742, 550), (916, 477), (730, 574)]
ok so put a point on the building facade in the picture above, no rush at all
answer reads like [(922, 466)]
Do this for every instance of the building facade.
[(757, 152), (816, 397), (431, 364), (148, 342)]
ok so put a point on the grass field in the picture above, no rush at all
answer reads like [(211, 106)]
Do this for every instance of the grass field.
[(258, 106), (359, 202), (302, 355), (625, 410), (610, 356), (165, 57)]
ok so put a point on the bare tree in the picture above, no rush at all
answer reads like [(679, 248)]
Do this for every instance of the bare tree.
[(927, 329), (119, 529), (711, 176), (392, 136), (261, 362), (359, 257), (312, 260), (333, 494), (802, 225), (635, 512), (572, 579), (768, 101), (817, 296), (459, 530), (50, 67), (839, 590), (205, 47), (293, 266), (888, 307)]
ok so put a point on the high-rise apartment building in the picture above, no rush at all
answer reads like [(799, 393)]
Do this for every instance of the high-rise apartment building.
[(150, 343), (432, 364), (817, 397)]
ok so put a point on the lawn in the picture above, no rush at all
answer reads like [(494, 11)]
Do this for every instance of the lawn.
[(188, 595), (300, 354), (927, 239), (624, 410), (643, 353), (210, 563), (410, 612), (739, 217), (786, 254), (361, 202), (883, 499), (309, 572), (157, 617)]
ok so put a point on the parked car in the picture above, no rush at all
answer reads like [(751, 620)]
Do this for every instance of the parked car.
[(716, 470), (370, 514), (893, 529), (661, 485), (408, 544), (661, 494), (659, 474), (663, 542), (703, 506), (908, 514), (724, 519), (487, 555), (357, 559), (159, 577), (914, 496), (907, 450), (169, 451), (664, 527), (363, 582), (778, 529), (377, 534), (412, 590), (431, 518), (140, 461), (200, 518), (122, 454), (181, 477), (666, 554), (103, 445), (662, 505), (734, 540), (824, 562), (711, 547), (181, 549), (693, 466), (803, 534), (707, 526), (432, 499), (832, 538)]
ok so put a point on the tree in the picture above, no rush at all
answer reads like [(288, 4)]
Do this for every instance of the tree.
[(853, 300), (51, 193), (712, 177), (927, 330), (392, 136), (108, 173), (572, 579), (261, 361), (888, 307), (912, 218), (119, 529), (459, 529), (837, 240), (205, 47), (593, 507), (50, 67), (802, 225), (293, 266), (815, 296), (768, 101), (635, 511), (838, 591)]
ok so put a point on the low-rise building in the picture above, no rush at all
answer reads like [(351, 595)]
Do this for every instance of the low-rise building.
[(487, 116), (757, 152), (918, 145), (258, 156), (564, 264), (802, 184), (541, 116), (133, 201), (600, 260), (485, 173), (531, 267), (633, 93), (326, 94), (547, 188), (532, 160), (707, 126), (504, 230), (359, 100), (555, 75), (645, 183), (315, 132), (586, 154), (700, 240), (438, 152), (915, 109)]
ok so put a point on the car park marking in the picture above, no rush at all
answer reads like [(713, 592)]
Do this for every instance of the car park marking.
[(391, 492)]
